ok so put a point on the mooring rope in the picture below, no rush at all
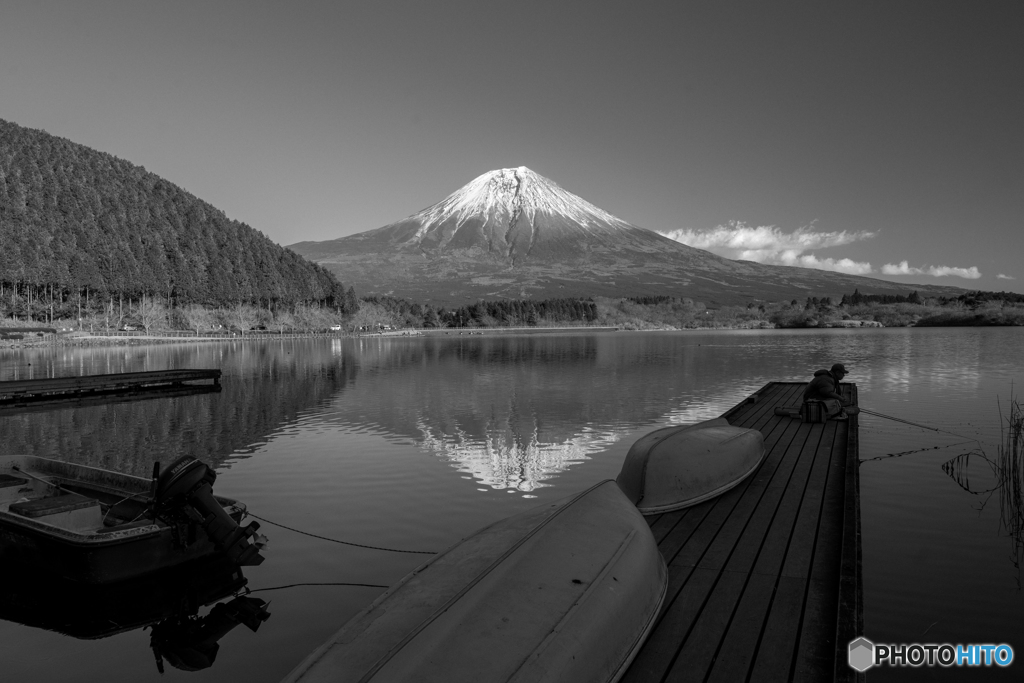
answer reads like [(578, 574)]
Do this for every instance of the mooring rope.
[(293, 585), (334, 540)]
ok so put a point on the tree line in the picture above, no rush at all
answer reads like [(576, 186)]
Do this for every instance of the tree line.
[(81, 230), (378, 311)]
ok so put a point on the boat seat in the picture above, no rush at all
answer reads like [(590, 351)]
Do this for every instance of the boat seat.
[(69, 511), (53, 505), (7, 480)]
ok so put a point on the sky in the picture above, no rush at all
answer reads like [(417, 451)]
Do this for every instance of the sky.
[(876, 138)]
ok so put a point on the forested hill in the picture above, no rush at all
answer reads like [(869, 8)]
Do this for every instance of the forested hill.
[(75, 222)]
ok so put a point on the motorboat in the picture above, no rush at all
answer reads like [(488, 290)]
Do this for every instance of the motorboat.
[(92, 525), (679, 466), (567, 591)]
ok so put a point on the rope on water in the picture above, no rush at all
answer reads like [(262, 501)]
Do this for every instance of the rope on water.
[(334, 540), (293, 585), (918, 450)]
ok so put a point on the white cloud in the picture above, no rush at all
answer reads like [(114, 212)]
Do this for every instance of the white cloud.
[(904, 268), (769, 244), (1005, 277), (843, 265)]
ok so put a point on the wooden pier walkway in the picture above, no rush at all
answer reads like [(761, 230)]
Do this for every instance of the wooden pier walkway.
[(764, 580), (21, 392)]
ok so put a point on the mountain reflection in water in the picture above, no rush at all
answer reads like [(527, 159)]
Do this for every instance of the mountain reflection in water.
[(513, 411)]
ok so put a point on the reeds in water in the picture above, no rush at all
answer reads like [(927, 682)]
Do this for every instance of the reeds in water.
[(1010, 465), (1008, 469)]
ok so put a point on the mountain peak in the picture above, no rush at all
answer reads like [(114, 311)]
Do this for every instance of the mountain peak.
[(507, 195)]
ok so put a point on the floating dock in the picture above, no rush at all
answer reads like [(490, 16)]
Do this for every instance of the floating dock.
[(30, 391), (764, 580)]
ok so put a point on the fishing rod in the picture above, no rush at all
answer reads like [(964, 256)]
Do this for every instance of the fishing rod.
[(795, 412), (916, 424)]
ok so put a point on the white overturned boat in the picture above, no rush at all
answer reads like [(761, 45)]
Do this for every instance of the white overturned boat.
[(677, 467), (566, 591)]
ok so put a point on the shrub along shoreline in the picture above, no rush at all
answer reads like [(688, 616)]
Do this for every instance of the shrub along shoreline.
[(376, 315)]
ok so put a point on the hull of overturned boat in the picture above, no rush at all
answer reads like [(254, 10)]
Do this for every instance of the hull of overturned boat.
[(567, 591), (90, 525), (676, 467)]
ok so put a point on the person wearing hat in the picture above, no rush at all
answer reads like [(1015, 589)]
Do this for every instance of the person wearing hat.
[(825, 388)]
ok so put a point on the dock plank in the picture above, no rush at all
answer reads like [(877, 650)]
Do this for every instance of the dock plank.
[(756, 574)]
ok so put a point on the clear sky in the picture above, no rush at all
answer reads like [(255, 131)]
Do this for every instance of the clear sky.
[(871, 137)]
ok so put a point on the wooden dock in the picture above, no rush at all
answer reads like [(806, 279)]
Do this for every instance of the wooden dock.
[(23, 392), (764, 580)]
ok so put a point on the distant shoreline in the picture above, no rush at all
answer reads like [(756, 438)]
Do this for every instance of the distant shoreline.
[(136, 339)]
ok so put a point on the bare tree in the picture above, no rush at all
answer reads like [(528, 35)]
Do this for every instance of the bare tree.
[(151, 313), (371, 317), (196, 317), (283, 320), (244, 317)]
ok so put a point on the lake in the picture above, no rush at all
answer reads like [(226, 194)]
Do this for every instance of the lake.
[(414, 442)]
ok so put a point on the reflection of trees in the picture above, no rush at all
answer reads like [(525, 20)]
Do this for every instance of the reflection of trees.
[(1007, 470), (264, 387)]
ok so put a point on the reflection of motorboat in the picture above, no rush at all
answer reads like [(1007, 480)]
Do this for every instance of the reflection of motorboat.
[(169, 601), (96, 526), (566, 591), (676, 467)]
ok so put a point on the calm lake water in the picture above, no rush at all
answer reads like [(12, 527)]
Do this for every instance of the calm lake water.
[(413, 443)]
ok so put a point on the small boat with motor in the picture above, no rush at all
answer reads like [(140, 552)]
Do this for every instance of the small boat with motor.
[(566, 591), (676, 467), (96, 526)]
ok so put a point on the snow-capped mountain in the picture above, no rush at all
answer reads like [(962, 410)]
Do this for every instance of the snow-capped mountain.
[(512, 233), (507, 195), (511, 211), (510, 215)]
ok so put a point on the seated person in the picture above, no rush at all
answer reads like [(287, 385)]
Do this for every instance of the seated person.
[(825, 388)]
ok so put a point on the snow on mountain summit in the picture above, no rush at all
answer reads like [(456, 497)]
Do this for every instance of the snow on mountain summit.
[(511, 194)]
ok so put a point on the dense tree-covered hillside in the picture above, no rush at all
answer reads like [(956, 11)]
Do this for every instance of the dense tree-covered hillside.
[(78, 225)]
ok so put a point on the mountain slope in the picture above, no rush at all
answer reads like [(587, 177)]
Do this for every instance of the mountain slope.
[(513, 233), (75, 219)]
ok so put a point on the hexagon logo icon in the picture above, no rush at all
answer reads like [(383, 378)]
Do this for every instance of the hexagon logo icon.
[(861, 654)]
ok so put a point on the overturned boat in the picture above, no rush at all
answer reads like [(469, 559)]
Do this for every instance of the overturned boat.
[(566, 591), (676, 467), (96, 526)]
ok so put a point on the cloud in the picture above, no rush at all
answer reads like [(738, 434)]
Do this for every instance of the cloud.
[(843, 265), (769, 244), (1005, 277), (903, 268)]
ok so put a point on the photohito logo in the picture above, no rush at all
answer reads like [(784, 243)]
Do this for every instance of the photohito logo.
[(863, 654)]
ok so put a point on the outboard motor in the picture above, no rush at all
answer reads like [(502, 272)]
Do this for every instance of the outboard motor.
[(190, 643), (186, 489)]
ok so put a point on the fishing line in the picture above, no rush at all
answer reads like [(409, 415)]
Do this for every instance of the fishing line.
[(334, 540), (917, 424)]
